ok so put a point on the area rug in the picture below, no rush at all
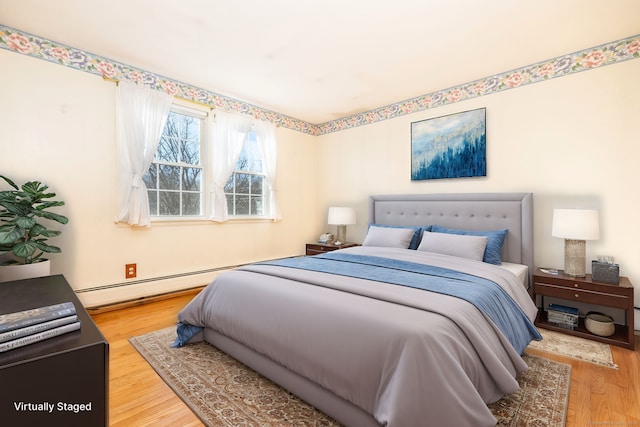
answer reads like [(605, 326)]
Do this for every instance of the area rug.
[(575, 347), (223, 392)]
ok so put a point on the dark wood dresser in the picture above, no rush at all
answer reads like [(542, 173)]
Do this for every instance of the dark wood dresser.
[(61, 381)]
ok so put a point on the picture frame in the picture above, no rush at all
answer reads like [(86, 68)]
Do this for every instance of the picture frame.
[(451, 146)]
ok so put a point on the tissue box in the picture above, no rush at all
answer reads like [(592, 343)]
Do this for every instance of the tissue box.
[(605, 272)]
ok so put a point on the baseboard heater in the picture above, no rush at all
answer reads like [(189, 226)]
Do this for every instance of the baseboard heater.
[(171, 276), (156, 279)]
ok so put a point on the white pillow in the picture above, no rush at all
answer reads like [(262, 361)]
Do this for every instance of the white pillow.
[(463, 246), (389, 237)]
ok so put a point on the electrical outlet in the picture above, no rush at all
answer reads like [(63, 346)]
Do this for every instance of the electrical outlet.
[(130, 271)]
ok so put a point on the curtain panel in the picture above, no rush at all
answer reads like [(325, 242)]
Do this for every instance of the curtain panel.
[(141, 114), (230, 131), (225, 145), (266, 135)]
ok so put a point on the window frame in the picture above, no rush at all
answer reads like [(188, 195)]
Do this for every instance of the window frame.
[(202, 165), (206, 198)]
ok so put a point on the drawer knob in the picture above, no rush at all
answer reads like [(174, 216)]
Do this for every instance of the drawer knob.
[(577, 295), (576, 285)]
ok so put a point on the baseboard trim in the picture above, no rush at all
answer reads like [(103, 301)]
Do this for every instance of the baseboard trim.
[(143, 300)]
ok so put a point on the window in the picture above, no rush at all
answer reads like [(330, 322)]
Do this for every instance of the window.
[(192, 175), (245, 189), (175, 178)]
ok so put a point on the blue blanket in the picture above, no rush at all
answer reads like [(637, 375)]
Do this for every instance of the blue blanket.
[(485, 294)]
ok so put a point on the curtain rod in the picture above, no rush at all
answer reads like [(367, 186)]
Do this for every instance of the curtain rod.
[(201, 104)]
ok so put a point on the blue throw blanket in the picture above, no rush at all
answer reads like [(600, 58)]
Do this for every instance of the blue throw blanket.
[(485, 294)]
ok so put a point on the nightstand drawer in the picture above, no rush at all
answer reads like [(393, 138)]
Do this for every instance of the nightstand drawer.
[(582, 295), (313, 251), (586, 285)]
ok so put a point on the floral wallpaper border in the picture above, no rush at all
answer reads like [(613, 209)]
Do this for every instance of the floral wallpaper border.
[(587, 59)]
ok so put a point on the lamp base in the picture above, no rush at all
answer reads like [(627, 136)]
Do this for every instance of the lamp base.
[(574, 257), (342, 234)]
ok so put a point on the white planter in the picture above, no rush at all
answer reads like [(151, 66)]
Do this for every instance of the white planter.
[(25, 271)]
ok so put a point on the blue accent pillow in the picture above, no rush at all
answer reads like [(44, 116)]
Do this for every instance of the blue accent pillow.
[(493, 251), (415, 240)]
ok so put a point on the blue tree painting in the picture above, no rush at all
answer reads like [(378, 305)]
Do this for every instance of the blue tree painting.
[(452, 146)]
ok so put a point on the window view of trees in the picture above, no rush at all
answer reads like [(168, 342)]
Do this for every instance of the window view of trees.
[(174, 178)]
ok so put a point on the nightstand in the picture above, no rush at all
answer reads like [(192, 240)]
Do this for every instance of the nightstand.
[(585, 290), (320, 248)]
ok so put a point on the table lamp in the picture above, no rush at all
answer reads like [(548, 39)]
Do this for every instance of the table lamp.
[(341, 216), (575, 226)]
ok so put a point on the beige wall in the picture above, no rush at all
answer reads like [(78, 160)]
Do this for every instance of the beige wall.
[(572, 141), (57, 125)]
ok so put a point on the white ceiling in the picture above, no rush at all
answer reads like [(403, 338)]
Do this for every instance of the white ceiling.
[(319, 60)]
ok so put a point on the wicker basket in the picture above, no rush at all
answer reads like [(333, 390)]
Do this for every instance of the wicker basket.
[(599, 324)]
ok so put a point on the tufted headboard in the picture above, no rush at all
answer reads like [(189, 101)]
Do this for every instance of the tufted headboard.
[(468, 211)]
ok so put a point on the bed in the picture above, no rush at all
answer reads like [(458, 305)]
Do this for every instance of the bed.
[(366, 335)]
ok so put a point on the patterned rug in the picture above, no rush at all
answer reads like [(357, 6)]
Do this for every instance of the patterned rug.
[(224, 392), (575, 347)]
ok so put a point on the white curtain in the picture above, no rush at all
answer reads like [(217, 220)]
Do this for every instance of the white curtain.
[(141, 114), (266, 136), (225, 145)]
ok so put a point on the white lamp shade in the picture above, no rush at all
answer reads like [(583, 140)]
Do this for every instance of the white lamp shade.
[(342, 216), (575, 224)]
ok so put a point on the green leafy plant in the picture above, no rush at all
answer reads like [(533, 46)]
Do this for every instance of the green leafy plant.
[(20, 211)]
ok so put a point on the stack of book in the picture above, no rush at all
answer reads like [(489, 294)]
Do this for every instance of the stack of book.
[(563, 316), (26, 327)]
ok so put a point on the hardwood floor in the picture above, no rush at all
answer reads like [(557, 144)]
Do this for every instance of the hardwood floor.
[(138, 397)]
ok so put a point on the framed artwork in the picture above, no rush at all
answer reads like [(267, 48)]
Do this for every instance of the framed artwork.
[(452, 146)]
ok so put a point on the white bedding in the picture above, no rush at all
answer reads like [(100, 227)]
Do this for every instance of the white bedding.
[(521, 271)]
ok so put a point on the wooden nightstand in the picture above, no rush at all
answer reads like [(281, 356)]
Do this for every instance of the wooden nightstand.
[(320, 248), (587, 291)]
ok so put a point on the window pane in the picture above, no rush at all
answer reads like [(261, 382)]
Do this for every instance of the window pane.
[(168, 149), (171, 127), (190, 203), (230, 208), (256, 206), (256, 184), (169, 203), (190, 179), (191, 153), (191, 129), (173, 119), (153, 202), (150, 179), (169, 177), (250, 159), (242, 205), (242, 183), (181, 186), (228, 187), (243, 161)]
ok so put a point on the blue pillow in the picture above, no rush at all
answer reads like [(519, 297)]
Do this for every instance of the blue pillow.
[(493, 251), (415, 240)]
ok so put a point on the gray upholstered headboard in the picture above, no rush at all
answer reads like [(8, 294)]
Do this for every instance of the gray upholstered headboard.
[(469, 211)]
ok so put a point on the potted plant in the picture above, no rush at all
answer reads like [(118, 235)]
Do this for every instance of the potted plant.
[(21, 234)]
